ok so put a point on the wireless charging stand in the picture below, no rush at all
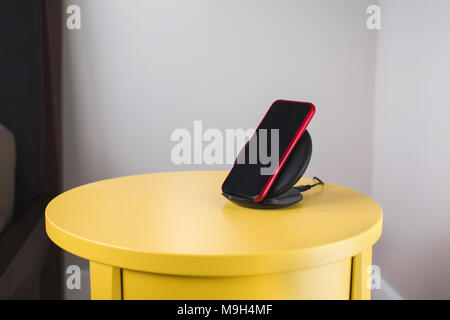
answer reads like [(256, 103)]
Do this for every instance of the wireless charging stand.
[(283, 193)]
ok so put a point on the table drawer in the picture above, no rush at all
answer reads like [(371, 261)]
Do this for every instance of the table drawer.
[(331, 281)]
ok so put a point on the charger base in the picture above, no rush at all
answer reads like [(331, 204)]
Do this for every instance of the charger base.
[(283, 200)]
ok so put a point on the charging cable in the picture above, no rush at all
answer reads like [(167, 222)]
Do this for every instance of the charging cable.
[(309, 186)]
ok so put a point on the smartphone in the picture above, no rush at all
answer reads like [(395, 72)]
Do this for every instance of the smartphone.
[(264, 155)]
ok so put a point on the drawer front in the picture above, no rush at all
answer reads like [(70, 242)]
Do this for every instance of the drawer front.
[(331, 281)]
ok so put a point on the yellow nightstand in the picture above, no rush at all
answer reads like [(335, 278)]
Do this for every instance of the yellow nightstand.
[(174, 236)]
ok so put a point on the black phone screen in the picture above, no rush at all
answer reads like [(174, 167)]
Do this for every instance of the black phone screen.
[(259, 158)]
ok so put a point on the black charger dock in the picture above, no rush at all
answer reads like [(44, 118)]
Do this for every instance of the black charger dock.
[(283, 193)]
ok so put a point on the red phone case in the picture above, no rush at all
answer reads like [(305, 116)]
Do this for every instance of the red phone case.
[(265, 190)]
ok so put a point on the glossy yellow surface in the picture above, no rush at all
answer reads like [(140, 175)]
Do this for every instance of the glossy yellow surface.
[(179, 223)]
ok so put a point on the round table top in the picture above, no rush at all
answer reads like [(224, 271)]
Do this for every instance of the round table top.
[(179, 223)]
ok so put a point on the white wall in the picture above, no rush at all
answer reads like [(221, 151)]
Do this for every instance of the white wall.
[(139, 69), (412, 147)]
